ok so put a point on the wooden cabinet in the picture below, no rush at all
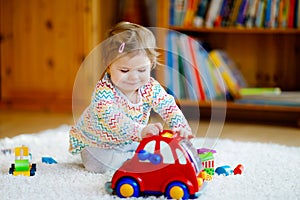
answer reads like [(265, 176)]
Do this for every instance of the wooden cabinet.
[(266, 57), (43, 43)]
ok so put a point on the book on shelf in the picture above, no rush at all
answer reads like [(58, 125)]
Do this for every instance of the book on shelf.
[(220, 14), (235, 13), (190, 13), (212, 13), (201, 13), (260, 14), (172, 66), (195, 74), (281, 99), (241, 17), (220, 60), (251, 13), (178, 10), (247, 91), (182, 79), (227, 13)]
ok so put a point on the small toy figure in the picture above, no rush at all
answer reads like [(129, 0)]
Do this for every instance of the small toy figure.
[(163, 164), (238, 169), (225, 170), (22, 164)]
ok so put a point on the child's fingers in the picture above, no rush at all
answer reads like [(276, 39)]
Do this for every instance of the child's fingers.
[(159, 126), (183, 133), (154, 129)]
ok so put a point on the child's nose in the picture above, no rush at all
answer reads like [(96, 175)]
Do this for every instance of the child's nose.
[(133, 76)]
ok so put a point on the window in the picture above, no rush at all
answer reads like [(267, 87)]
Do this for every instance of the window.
[(181, 157), (150, 146), (144, 155), (166, 153)]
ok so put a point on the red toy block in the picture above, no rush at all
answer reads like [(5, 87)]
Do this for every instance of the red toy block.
[(238, 169)]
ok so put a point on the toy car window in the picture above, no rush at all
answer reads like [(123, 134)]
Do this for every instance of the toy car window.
[(166, 152), (150, 146), (181, 157), (190, 149)]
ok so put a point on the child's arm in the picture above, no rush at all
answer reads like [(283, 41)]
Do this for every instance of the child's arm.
[(165, 105)]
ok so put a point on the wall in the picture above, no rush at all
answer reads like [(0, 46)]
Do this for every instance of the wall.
[(43, 43)]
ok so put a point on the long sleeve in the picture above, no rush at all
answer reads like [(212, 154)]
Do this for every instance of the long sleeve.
[(108, 121), (165, 105)]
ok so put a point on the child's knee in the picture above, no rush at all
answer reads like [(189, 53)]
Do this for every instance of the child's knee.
[(101, 160), (92, 163)]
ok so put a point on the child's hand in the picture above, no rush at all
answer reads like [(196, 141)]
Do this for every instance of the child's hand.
[(152, 129), (183, 133)]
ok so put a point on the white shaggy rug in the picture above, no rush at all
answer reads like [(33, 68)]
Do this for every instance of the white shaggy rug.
[(271, 171)]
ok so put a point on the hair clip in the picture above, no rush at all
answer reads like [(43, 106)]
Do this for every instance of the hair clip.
[(121, 48)]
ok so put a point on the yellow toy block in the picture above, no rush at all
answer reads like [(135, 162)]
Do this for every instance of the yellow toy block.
[(21, 173)]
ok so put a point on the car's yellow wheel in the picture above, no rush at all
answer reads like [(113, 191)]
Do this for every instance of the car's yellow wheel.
[(177, 190), (127, 187), (126, 190)]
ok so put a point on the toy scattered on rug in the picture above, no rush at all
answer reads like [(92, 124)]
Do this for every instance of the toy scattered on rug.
[(22, 165), (7, 151), (207, 158), (239, 169), (208, 163), (227, 170), (48, 160), (164, 164)]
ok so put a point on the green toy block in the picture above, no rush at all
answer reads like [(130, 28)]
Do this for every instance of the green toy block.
[(22, 165), (206, 156)]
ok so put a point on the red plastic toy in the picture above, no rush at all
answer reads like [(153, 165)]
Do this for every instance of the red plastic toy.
[(238, 169), (163, 164)]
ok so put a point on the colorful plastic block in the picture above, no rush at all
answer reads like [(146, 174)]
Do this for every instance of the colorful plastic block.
[(48, 160), (224, 170), (22, 164), (238, 169)]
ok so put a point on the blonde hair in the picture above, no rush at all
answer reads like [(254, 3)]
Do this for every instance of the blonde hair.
[(126, 37)]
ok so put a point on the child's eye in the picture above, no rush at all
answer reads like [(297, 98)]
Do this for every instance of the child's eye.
[(124, 70), (142, 70)]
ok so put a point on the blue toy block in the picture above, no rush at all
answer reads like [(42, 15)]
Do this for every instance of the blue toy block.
[(48, 160), (225, 170)]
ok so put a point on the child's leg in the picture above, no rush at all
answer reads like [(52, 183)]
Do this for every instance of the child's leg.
[(100, 160)]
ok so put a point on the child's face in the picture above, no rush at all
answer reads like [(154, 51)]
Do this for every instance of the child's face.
[(130, 72)]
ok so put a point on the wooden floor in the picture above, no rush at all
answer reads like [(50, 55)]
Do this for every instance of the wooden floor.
[(13, 123)]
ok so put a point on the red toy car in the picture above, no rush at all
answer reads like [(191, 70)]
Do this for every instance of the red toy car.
[(163, 164)]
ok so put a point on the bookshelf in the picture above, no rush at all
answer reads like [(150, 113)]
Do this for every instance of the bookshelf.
[(267, 57)]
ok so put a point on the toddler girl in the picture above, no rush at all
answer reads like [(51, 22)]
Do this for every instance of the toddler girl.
[(108, 131)]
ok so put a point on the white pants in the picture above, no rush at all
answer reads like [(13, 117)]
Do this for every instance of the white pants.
[(100, 160)]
